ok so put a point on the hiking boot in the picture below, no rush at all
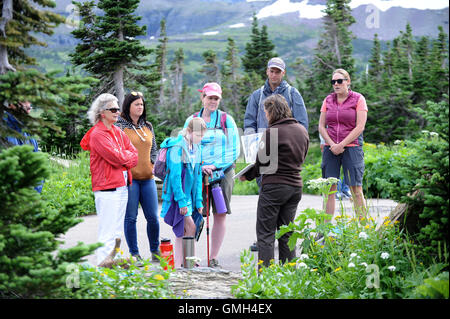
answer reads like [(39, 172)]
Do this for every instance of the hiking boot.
[(214, 263)]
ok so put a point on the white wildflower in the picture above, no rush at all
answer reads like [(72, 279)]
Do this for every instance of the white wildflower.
[(353, 255), (301, 265), (392, 268), (304, 256), (363, 235), (384, 255), (351, 265), (363, 264), (397, 142), (434, 134)]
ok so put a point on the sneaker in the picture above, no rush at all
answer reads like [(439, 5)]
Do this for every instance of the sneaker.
[(154, 254), (214, 263), (254, 247), (319, 238), (347, 193), (139, 262)]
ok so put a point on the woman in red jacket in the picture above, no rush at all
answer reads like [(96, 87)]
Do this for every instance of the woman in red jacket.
[(112, 157)]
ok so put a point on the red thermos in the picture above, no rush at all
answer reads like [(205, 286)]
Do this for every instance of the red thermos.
[(166, 249)]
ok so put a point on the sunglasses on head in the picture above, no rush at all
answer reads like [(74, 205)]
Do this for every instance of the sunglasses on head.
[(113, 110), (137, 93), (339, 81)]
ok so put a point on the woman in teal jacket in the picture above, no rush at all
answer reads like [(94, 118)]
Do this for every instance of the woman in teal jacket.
[(183, 160)]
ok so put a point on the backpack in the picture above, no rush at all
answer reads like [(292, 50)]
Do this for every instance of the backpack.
[(223, 120), (159, 168)]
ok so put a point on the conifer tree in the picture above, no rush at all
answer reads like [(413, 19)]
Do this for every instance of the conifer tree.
[(334, 50), (109, 49), (32, 265), (231, 88), (211, 67), (20, 22), (258, 51), (161, 59)]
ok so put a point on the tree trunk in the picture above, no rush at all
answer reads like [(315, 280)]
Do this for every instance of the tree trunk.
[(7, 15), (118, 86), (118, 77)]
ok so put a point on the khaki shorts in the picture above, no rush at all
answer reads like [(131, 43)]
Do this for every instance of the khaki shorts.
[(351, 161)]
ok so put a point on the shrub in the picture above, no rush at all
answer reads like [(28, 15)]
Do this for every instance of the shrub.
[(31, 265), (355, 260)]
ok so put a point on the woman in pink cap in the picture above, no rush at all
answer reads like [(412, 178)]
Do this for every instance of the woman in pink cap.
[(220, 148)]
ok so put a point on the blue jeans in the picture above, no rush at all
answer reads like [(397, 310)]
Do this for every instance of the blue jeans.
[(144, 192)]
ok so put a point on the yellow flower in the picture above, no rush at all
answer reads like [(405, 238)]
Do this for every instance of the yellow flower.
[(146, 268), (260, 262), (291, 264), (314, 269), (337, 269), (112, 296), (367, 227), (158, 277), (260, 269)]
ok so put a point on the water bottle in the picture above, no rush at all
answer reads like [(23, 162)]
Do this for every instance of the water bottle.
[(166, 249), (219, 201), (188, 251)]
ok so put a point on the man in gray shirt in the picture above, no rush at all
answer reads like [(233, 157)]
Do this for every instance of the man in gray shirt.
[(255, 119)]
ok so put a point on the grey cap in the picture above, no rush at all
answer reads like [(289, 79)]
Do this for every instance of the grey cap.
[(276, 63)]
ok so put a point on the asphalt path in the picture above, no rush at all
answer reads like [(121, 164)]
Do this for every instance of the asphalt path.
[(240, 232)]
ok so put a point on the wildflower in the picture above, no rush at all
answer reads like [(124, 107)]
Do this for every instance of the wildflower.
[(260, 262), (367, 226), (353, 255), (363, 264), (392, 268), (301, 265), (351, 265), (146, 268), (397, 142), (158, 277), (314, 269), (363, 235), (260, 269), (337, 269), (434, 134), (384, 255), (292, 264), (304, 256)]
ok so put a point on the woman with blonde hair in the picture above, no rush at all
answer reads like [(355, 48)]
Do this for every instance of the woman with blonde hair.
[(111, 159), (182, 188), (342, 120)]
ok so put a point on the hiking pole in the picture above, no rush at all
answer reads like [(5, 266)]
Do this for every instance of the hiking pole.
[(206, 184)]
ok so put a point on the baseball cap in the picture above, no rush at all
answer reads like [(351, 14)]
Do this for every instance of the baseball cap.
[(276, 63), (212, 88)]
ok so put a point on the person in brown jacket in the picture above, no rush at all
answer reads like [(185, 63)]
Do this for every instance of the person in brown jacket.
[(143, 190), (282, 151)]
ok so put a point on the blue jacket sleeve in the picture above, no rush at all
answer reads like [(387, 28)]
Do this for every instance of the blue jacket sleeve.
[(299, 109), (251, 114), (198, 185), (176, 166)]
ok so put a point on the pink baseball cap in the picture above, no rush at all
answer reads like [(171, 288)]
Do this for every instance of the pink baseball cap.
[(212, 88)]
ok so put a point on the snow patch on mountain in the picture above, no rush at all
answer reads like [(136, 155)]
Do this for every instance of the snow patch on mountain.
[(305, 10)]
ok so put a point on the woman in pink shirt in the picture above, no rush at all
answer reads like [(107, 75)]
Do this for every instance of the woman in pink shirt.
[(342, 120)]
